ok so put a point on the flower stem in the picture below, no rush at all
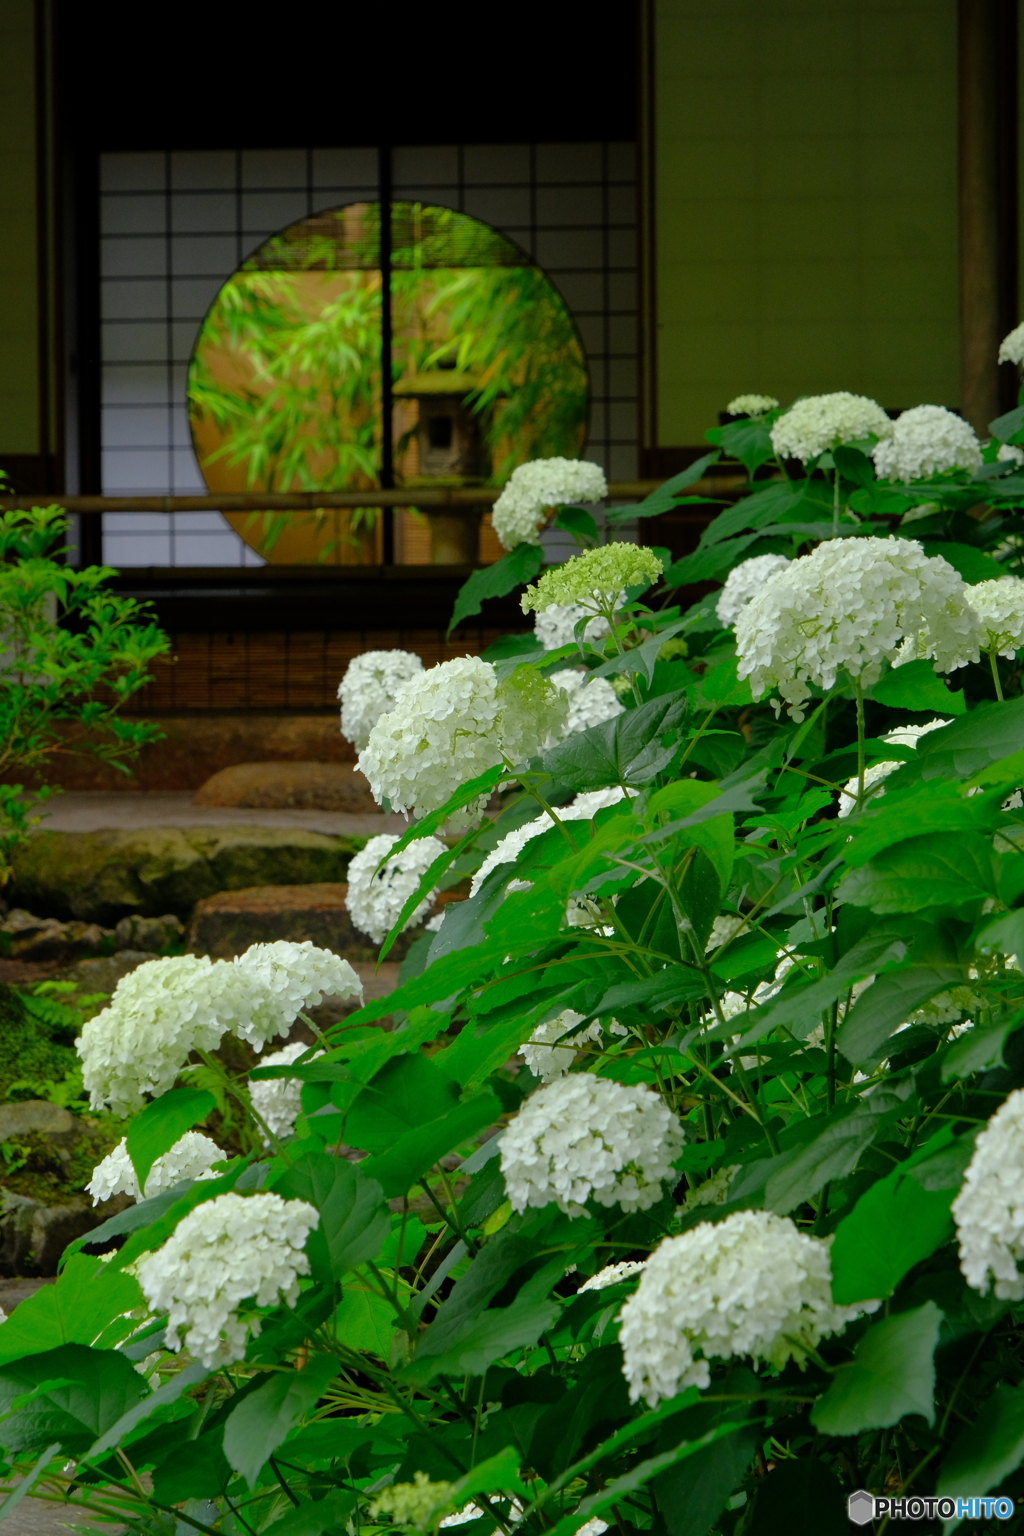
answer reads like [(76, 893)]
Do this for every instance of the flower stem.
[(995, 675), (835, 503), (860, 744)]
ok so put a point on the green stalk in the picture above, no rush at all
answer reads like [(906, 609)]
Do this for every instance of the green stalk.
[(860, 745), (995, 675)]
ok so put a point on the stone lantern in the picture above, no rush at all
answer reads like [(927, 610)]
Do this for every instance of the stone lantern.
[(450, 452)]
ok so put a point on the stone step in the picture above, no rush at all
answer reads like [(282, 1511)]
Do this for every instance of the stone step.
[(226, 924), (102, 876), (284, 786)]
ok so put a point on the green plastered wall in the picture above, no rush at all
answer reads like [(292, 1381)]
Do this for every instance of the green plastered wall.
[(805, 234), (19, 391)]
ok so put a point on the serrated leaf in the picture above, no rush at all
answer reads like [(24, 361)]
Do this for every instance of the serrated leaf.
[(430, 823), (665, 498), (932, 870), (986, 1452), (990, 732), (156, 1128), (832, 1155), (263, 1419), (416, 1151), (354, 1220), (513, 570), (77, 1393), (86, 1297), (893, 1226), (768, 505), (626, 749), (800, 1008), (892, 1374), (917, 686)]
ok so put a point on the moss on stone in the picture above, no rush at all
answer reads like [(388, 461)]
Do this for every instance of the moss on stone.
[(31, 1048)]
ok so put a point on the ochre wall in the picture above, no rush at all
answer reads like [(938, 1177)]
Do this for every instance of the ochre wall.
[(805, 233), (19, 376)]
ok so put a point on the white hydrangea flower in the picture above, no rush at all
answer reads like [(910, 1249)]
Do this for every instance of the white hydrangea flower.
[(595, 580), (743, 583), (819, 422), (613, 1274), (584, 808), (989, 1210), (589, 702), (751, 405), (369, 688), (927, 440), (158, 1015), (902, 736), (713, 1191), (999, 605), (278, 1100), (232, 1249), (751, 1285), (287, 978), (1011, 348), (725, 926), (374, 901), (538, 485), (452, 724), (547, 1060), (192, 1157), (1009, 453), (585, 1137), (556, 626), (851, 604)]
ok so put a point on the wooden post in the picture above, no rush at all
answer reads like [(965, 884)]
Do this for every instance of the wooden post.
[(987, 201)]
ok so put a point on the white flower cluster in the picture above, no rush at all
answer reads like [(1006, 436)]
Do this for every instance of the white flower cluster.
[(751, 1285), (613, 1274), (584, 808), (743, 583), (1009, 453), (819, 422), (374, 900), (751, 405), (548, 1060), (230, 1250), (591, 702), (713, 1191), (278, 1100), (852, 604), (989, 1210), (556, 626), (369, 688), (191, 1157), (903, 736), (286, 978), (585, 1137), (1011, 348), (999, 605), (543, 483), (927, 440), (166, 1009), (452, 724)]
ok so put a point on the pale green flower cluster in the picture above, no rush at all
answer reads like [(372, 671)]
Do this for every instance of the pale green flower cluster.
[(999, 605), (751, 405), (595, 579), (419, 1503)]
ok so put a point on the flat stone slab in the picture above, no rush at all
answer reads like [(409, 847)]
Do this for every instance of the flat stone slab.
[(100, 877), (226, 924), (127, 809), (33, 1236), (281, 786)]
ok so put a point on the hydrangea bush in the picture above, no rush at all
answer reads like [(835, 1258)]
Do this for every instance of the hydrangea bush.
[(687, 1177)]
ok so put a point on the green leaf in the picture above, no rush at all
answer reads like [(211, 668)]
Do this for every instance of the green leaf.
[(427, 882), (933, 870), (986, 1452), (750, 442), (923, 809), (778, 499), (642, 657), (854, 465), (418, 1150), (711, 563), (77, 1393), (519, 566), (917, 686), (931, 966), (800, 1498), (990, 732), (316, 1516), (493, 1335), (364, 1320), (263, 1419), (970, 563), (171, 1390), (1006, 427), (893, 1226), (665, 498), (27, 1483), (198, 1469), (892, 1374), (354, 1221), (977, 1050), (86, 1297), (832, 1155), (692, 1493), (155, 1130), (578, 522), (625, 750), (406, 1092), (473, 788), (800, 1007)]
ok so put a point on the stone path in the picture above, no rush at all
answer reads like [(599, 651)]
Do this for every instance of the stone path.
[(98, 810)]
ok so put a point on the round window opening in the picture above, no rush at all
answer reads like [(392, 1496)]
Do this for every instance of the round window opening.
[(284, 385)]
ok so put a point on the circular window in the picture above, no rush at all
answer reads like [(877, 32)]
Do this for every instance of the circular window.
[(284, 385)]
